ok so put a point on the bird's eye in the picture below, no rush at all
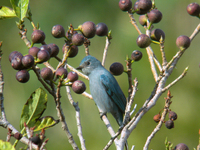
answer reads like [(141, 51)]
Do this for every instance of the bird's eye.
[(88, 63)]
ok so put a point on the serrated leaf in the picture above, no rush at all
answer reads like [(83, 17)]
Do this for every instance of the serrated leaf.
[(6, 12), (20, 7), (6, 145), (45, 122), (34, 108)]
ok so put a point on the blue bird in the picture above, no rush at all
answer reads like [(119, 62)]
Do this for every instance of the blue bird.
[(104, 88)]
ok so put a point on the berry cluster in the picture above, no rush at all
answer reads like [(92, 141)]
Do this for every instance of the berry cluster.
[(38, 55), (170, 123), (150, 15)]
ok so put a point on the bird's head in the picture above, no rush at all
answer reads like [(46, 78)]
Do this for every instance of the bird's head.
[(88, 64)]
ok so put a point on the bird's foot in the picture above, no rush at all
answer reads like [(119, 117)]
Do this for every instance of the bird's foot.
[(102, 114)]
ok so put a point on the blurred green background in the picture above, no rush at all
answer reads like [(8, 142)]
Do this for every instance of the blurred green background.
[(186, 93)]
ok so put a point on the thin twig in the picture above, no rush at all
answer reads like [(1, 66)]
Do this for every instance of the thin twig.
[(61, 117), (163, 116), (164, 60), (133, 22), (176, 80), (78, 120), (105, 51), (196, 31), (78, 72), (87, 95)]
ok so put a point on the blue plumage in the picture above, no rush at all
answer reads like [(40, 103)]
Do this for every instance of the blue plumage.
[(104, 88)]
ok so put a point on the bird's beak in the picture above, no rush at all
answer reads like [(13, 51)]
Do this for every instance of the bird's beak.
[(79, 68)]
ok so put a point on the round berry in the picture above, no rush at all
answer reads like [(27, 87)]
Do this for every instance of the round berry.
[(88, 29), (36, 140), (72, 76), (101, 29), (46, 73), (22, 76), (78, 86), (116, 68), (125, 5), (61, 72), (169, 124), (154, 16), (43, 56), (78, 39), (156, 118), (28, 61), (143, 41), (183, 42), (136, 55), (33, 51), (156, 34), (46, 47), (143, 20), (16, 61), (143, 6), (54, 49), (38, 36), (193, 9), (181, 146), (73, 50), (12, 54), (172, 115), (58, 31)]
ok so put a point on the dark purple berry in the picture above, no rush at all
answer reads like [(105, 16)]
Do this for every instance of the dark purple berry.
[(172, 115), (12, 54), (36, 140), (54, 49), (143, 20), (73, 50), (142, 6), (136, 55), (143, 41), (28, 61), (125, 5), (157, 118), (38, 36), (16, 61), (154, 16), (183, 42), (72, 76), (22, 76), (193, 9), (61, 72), (43, 56), (78, 39), (69, 35), (46, 73), (47, 48), (88, 29), (101, 29), (116, 68), (33, 51), (58, 31), (181, 146), (78, 86), (156, 34), (169, 124)]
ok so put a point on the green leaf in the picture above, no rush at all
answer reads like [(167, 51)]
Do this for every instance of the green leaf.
[(20, 7), (6, 145), (6, 12), (45, 122), (34, 108)]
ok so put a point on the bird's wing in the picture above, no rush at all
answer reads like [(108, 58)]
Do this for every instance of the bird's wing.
[(114, 92)]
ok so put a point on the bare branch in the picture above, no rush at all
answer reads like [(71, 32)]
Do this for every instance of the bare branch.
[(164, 60), (133, 22), (87, 95), (196, 31), (77, 109), (105, 50), (159, 125), (176, 80), (78, 72)]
